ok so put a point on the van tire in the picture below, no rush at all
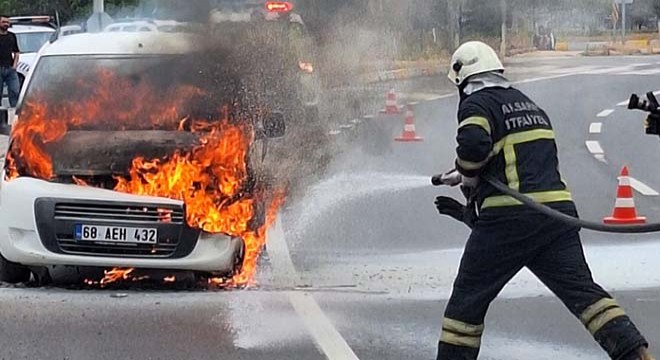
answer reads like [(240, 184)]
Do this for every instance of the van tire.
[(13, 273)]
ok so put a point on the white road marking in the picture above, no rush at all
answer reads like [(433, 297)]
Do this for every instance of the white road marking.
[(611, 70), (543, 78), (576, 70), (284, 273), (642, 188), (320, 327), (601, 158), (594, 147), (438, 97), (329, 340), (605, 113), (595, 128), (641, 72)]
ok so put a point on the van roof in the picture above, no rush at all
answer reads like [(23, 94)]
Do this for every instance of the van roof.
[(108, 43)]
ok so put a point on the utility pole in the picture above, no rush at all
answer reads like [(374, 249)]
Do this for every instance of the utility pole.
[(99, 19), (623, 17), (623, 21), (503, 9), (99, 6)]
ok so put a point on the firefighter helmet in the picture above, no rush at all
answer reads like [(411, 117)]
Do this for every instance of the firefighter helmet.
[(473, 58)]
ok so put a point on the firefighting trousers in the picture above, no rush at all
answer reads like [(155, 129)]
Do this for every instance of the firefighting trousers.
[(501, 244)]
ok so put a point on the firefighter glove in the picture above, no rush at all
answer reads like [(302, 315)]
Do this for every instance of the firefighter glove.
[(652, 124), (450, 207)]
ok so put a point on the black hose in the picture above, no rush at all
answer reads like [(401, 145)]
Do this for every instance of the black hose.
[(616, 229)]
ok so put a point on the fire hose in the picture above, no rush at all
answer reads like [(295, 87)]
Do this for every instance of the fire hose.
[(567, 219), (558, 215)]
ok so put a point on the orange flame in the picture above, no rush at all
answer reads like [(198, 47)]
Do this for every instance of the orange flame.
[(211, 178)]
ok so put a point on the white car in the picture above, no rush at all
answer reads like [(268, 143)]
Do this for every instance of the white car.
[(148, 26), (32, 33), (57, 222)]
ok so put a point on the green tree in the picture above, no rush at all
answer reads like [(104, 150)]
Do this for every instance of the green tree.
[(68, 9)]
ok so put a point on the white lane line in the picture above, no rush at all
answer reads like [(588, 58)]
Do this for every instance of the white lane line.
[(320, 327), (329, 340), (439, 97), (642, 188), (642, 72), (284, 273), (594, 147), (595, 128), (543, 78), (605, 113)]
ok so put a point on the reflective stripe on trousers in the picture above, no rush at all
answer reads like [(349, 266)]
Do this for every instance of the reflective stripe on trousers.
[(459, 333), (599, 314)]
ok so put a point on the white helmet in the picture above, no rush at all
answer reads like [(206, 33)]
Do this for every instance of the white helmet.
[(473, 58)]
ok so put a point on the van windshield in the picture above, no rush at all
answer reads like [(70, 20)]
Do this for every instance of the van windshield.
[(113, 92)]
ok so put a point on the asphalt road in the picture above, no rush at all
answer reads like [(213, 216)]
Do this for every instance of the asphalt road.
[(361, 267)]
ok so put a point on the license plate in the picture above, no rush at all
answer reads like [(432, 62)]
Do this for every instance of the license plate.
[(118, 234)]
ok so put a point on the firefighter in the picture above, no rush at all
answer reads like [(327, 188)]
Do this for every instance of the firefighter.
[(505, 135)]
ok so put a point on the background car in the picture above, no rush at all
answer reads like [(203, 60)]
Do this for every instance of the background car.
[(149, 25), (32, 32)]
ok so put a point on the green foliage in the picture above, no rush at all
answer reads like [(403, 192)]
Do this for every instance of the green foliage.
[(68, 9)]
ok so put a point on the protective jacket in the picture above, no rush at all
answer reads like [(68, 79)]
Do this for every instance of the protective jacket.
[(504, 134)]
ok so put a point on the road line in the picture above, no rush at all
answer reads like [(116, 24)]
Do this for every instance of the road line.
[(594, 147), (595, 128), (642, 188), (605, 113), (284, 272), (552, 77), (329, 340), (641, 72), (612, 70), (320, 327), (440, 97)]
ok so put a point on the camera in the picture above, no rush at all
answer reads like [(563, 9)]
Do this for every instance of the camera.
[(650, 105)]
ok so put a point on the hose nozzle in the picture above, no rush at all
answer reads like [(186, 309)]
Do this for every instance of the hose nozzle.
[(436, 180)]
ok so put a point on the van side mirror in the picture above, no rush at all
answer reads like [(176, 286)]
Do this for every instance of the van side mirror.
[(274, 126)]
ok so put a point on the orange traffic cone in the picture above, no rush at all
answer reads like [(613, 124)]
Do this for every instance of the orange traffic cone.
[(624, 210), (391, 107), (409, 133)]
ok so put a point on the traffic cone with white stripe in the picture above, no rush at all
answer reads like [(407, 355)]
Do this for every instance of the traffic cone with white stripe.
[(409, 132), (391, 107), (624, 209)]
